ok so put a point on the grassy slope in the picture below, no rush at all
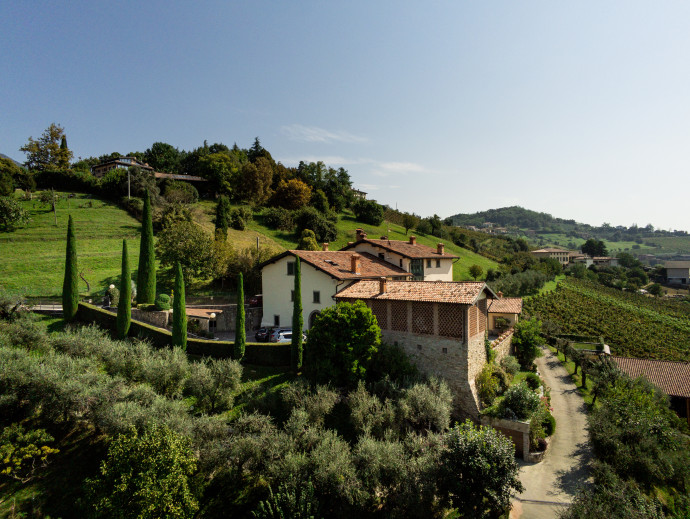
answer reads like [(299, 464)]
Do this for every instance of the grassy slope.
[(32, 258)]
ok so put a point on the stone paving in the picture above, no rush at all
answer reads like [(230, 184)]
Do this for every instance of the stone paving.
[(552, 484)]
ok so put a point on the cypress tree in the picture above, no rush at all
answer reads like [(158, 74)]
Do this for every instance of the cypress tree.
[(179, 327), (70, 286), (222, 215), (146, 275), (240, 332), (124, 305), (297, 321)]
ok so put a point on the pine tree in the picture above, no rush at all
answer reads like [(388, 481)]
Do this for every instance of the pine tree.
[(240, 332), (179, 328), (222, 216), (124, 305), (70, 286), (297, 321), (146, 275)]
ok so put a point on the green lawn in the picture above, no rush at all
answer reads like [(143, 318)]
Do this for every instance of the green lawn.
[(32, 258)]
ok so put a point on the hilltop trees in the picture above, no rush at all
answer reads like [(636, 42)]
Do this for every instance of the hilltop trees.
[(594, 247), (146, 274), (46, 152), (70, 285)]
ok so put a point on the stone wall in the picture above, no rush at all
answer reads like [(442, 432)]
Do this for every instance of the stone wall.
[(225, 320), (518, 432), (503, 346), (154, 318)]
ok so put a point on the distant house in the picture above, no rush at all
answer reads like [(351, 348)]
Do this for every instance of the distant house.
[(359, 194), (324, 273), (605, 261), (673, 378), (508, 308), (578, 257), (440, 325), (677, 272), (424, 263), (120, 163), (562, 255)]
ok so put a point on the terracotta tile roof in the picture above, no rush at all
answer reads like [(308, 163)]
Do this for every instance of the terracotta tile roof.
[(677, 264), (465, 293), (204, 313), (506, 305), (338, 264), (673, 378), (404, 248), (550, 249)]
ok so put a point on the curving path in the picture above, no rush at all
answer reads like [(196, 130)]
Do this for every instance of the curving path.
[(552, 484)]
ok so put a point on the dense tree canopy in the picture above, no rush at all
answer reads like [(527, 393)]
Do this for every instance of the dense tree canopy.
[(45, 153)]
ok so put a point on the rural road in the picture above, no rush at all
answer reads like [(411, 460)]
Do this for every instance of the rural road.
[(552, 484)]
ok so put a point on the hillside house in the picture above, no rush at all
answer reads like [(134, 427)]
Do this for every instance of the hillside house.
[(605, 261), (508, 308), (578, 257), (440, 325), (673, 378), (323, 274), (424, 263), (678, 272), (562, 255), (120, 163)]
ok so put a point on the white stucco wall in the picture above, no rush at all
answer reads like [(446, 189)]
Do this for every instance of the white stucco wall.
[(433, 273), (277, 289)]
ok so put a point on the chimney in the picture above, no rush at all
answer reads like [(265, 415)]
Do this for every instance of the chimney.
[(440, 248), (324, 246), (360, 234), (413, 240), (354, 263), (382, 285), (500, 294)]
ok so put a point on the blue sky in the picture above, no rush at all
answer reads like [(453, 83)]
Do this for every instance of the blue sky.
[(579, 109)]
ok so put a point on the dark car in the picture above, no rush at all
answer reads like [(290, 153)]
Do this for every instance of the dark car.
[(257, 300), (263, 334)]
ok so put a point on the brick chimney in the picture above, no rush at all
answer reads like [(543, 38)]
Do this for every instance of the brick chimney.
[(382, 285), (324, 246), (361, 235), (440, 248), (354, 263), (413, 240)]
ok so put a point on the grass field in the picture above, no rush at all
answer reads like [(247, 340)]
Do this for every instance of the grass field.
[(32, 258)]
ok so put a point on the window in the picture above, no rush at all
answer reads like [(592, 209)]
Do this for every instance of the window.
[(400, 262), (419, 346), (445, 350), (438, 264), (382, 256), (292, 296), (317, 296), (276, 320), (291, 268), (428, 263)]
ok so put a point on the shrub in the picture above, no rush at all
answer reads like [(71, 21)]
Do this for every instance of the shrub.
[(533, 381), (521, 401), (510, 364), (391, 361), (309, 218), (427, 406), (487, 385), (22, 452), (527, 339), (12, 215), (239, 217), (549, 424), (368, 211), (278, 218), (180, 192), (213, 383), (162, 302)]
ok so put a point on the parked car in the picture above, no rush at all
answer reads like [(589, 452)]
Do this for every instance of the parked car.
[(286, 336), (275, 333), (256, 300), (263, 334)]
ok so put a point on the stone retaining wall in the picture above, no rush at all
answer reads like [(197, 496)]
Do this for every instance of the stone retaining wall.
[(518, 432), (503, 346)]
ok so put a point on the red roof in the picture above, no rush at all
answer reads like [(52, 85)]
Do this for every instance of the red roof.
[(506, 305), (466, 293), (404, 248), (338, 264), (673, 378)]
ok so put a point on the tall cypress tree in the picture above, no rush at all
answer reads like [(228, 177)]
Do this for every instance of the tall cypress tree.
[(179, 328), (297, 321), (222, 216), (124, 305), (70, 286), (146, 275), (240, 332)]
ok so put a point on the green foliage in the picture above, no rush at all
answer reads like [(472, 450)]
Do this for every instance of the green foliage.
[(319, 201), (296, 346), (162, 302), (341, 343), (222, 219), (368, 211), (240, 331), (12, 215), (409, 221), (519, 402), (520, 284), (45, 152), (70, 285), (163, 157), (476, 271), (22, 452), (487, 385), (294, 500), (145, 475), (307, 241), (533, 381), (594, 247), (510, 364), (426, 406), (478, 471), (146, 273), (309, 218), (177, 192), (278, 218), (124, 306), (113, 294), (526, 340), (239, 217), (179, 326), (6, 184), (293, 194), (390, 361), (187, 244), (213, 383)]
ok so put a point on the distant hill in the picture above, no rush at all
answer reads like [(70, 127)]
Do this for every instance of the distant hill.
[(516, 216), (3, 156)]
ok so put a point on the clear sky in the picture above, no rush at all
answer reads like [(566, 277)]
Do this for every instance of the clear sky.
[(579, 109)]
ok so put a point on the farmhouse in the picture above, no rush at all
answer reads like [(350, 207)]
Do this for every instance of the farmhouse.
[(424, 263), (506, 310), (323, 274), (673, 378), (563, 256), (120, 163), (440, 325), (678, 272)]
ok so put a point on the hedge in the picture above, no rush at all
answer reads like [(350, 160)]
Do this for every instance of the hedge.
[(259, 354)]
